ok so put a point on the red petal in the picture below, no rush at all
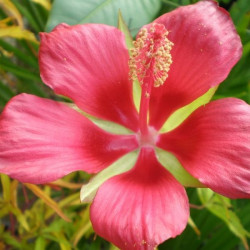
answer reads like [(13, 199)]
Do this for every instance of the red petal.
[(141, 208), (89, 64), (206, 47), (42, 140), (213, 144)]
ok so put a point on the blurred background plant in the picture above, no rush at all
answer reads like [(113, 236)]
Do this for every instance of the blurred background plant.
[(50, 216)]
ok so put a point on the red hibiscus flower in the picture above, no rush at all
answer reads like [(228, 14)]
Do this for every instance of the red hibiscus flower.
[(176, 59)]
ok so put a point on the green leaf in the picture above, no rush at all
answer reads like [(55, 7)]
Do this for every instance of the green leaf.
[(24, 57), (170, 162), (120, 166), (6, 187), (135, 13), (40, 243), (19, 72), (192, 224), (20, 217), (181, 114), (23, 8), (5, 94), (11, 241), (86, 226), (222, 208), (41, 194)]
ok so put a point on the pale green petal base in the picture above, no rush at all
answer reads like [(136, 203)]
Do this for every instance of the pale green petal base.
[(129, 42), (181, 114), (122, 165), (108, 126), (170, 162)]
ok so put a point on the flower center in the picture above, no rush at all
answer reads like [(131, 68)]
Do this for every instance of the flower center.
[(148, 139), (149, 63)]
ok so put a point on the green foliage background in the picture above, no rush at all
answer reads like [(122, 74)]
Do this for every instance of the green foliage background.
[(51, 216)]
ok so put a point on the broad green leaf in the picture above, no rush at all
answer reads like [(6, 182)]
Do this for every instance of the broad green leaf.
[(120, 166), (41, 194), (222, 208), (135, 13), (181, 114), (129, 42), (170, 162)]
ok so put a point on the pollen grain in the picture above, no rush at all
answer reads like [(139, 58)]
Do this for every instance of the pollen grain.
[(151, 55)]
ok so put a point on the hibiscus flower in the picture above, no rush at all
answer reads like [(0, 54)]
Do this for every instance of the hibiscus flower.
[(137, 200)]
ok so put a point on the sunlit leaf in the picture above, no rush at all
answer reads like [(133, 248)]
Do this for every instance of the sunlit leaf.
[(45, 3), (84, 226), (11, 241), (41, 194), (72, 199), (63, 242), (4, 208), (13, 192), (70, 185), (40, 244), (6, 187), (193, 225), (112, 247), (18, 33), (12, 11), (20, 217)]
